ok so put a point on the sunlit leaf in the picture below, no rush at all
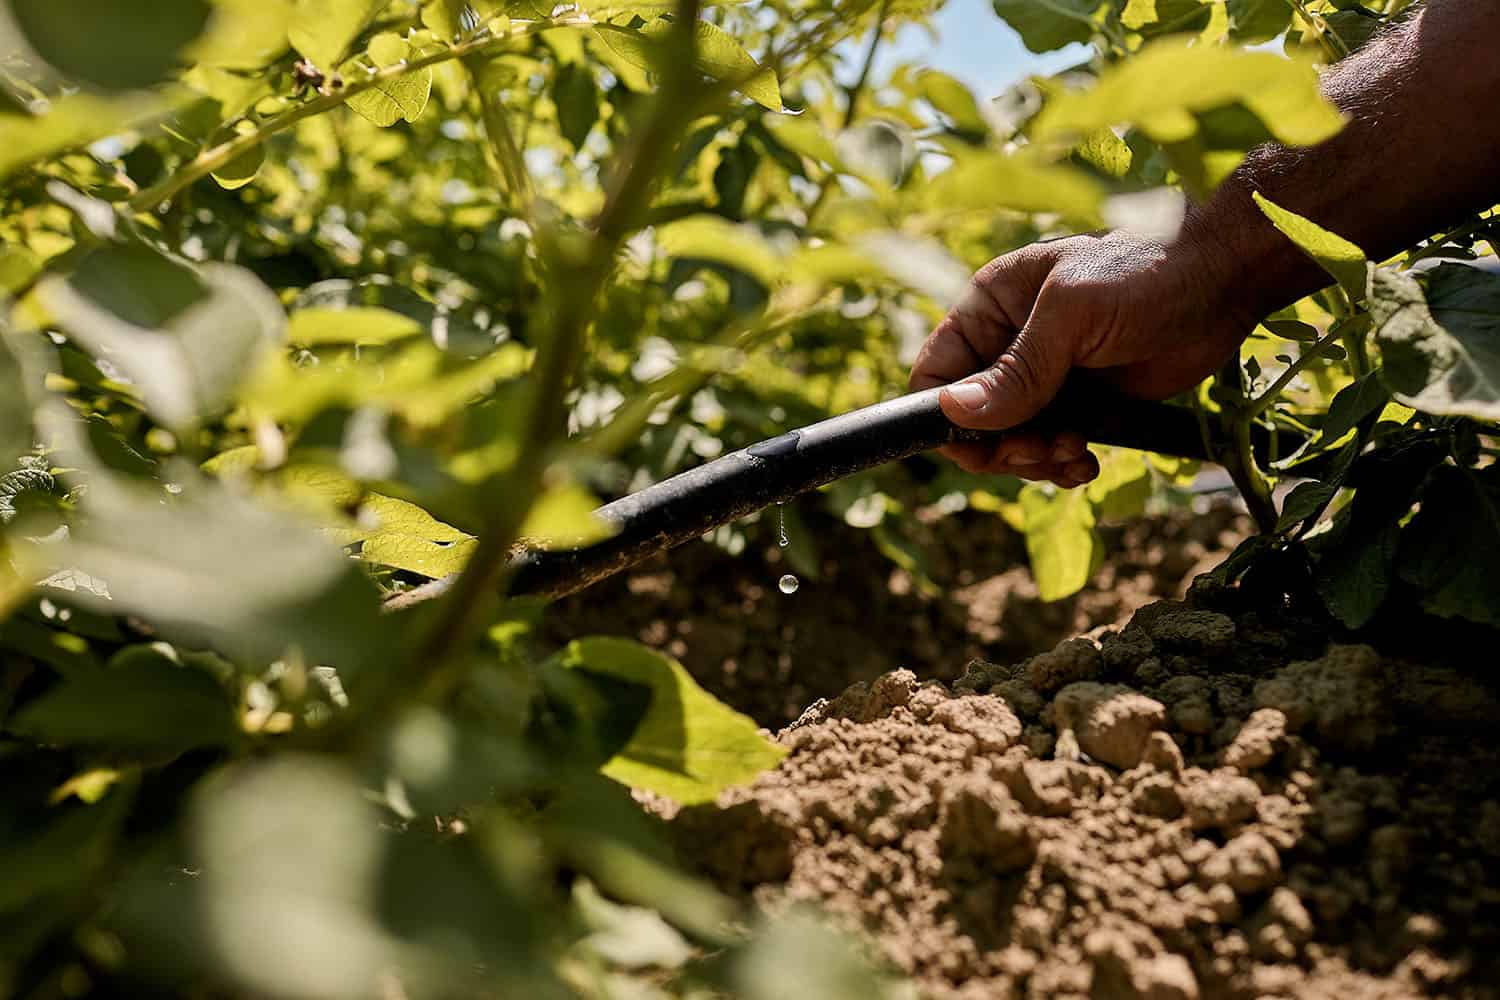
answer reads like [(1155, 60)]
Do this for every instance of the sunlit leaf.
[(1019, 182), (1060, 539), (76, 120), (323, 30), (717, 55), (400, 98), (564, 516), (711, 237), (1336, 255), (1160, 87), (688, 747), (366, 325)]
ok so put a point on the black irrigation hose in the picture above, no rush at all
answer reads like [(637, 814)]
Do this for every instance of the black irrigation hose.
[(695, 502)]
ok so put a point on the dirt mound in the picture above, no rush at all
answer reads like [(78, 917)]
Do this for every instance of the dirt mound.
[(1210, 803), (769, 654)]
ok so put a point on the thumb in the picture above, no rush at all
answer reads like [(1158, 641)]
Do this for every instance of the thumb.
[(1016, 387)]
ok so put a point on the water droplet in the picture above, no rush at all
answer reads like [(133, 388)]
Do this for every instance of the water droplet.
[(782, 541), (789, 584)]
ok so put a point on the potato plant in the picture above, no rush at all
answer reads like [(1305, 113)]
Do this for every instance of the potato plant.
[(309, 302)]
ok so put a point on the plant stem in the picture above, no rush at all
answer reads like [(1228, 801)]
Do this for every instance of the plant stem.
[(1263, 402), (579, 278), (214, 157), (851, 110), (1332, 45)]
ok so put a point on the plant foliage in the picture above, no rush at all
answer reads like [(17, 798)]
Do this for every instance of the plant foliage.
[(307, 303)]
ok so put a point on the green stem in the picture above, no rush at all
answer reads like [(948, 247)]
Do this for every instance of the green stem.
[(578, 284), (1263, 402), (214, 157), (851, 111), (1332, 45)]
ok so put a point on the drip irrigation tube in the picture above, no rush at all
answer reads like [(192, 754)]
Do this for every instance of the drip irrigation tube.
[(695, 502)]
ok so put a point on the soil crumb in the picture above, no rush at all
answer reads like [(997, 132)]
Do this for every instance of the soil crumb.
[(1211, 802)]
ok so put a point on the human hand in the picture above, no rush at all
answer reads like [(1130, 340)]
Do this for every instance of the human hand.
[(1152, 319)]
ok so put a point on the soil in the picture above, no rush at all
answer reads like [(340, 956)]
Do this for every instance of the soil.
[(770, 654), (1213, 798), (1215, 801)]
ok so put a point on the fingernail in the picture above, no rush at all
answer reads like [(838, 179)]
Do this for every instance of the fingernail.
[(969, 395)]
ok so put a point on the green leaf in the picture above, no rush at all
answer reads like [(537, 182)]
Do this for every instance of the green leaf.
[(243, 34), (18, 265), (323, 30), (369, 326), (717, 55), (688, 747), (1123, 485), (1161, 87), (1451, 548), (952, 98), (242, 169), (630, 937), (77, 120), (711, 237), (15, 409), (563, 517), (143, 701), (1060, 539), (1334, 254), (215, 570), (988, 181), (1255, 21), (1151, 17), (401, 98), (1354, 579), (1293, 329), (183, 335), (1354, 402), (1047, 26), (1438, 343), (404, 536), (111, 45), (577, 100)]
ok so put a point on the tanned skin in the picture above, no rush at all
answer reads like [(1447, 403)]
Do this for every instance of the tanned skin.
[(1421, 150)]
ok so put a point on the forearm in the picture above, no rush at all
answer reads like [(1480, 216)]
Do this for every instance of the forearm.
[(1421, 150)]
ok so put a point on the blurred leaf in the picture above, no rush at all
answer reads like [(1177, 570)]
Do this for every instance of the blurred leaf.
[(1336, 255), (15, 414), (76, 120), (879, 151), (1044, 27), (143, 701), (62, 853), (564, 517), (800, 955), (1015, 181), (1451, 548), (923, 265), (220, 572), (689, 747), (630, 937), (1060, 539), (1160, 87), (369, 326), (242, 169), (905, 553), (184, 336), (323, 30), (710, 237), (243, 34), (1438, 343), (952, 98), (114, 46), (718, 55), (577, 100), (400, 98), (289, 851), (18, 265)]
